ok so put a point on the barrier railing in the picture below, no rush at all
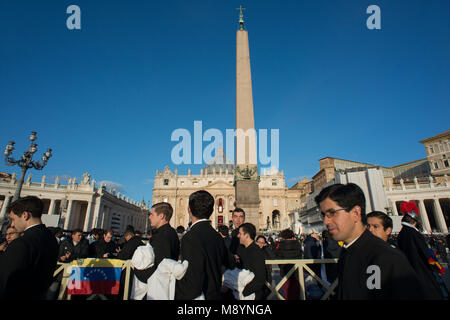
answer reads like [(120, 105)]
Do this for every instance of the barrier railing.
[(301, 265), (66, 270)]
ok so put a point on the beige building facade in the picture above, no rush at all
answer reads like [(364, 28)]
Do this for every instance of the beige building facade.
[(78, 205), (424, 181), (218, 179), (437, 149)]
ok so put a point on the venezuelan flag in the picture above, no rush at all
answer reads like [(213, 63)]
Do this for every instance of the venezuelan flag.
[(95, 276)]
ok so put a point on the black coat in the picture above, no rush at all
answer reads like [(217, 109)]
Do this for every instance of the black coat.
[(397, 279), (288, 249), (313, 250), (252, 258), (205, 250), (331, 250), (129, 248), (413, 245), (102, 247), (166, 244), (268, 255), (235, 243), (93, 249), (27, 267), (79, 251)]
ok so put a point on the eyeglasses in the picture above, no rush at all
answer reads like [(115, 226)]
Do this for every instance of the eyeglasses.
[(331, 213)]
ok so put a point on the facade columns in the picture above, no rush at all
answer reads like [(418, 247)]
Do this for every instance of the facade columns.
[(87, 219), (439, 216), (97, 210), (394, 208), (424, 217), (3, 213), (51, 209), (68, 215)]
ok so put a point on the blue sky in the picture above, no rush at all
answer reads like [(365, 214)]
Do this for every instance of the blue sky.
[(107, 97)]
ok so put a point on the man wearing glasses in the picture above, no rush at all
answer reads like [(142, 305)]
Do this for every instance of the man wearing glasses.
[(368, 267)]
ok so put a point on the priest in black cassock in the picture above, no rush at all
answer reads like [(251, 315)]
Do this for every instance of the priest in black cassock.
[(251, 257), (205, 251), (368, 267), (413, 244), (27, 267)]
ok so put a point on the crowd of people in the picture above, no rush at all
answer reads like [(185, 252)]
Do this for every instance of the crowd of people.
[(372, 262)]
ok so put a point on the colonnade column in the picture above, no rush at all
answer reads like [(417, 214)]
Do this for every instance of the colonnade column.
[(68, 215), (3, 213), (439, 216), (51, 209), (87, 219), (424, 217)]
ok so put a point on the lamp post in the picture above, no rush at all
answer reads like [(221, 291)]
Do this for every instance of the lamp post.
[(26, 161)]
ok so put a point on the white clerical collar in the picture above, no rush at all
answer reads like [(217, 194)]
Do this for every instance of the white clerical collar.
[(34, 225), (409, 225), (354, 240), (198, 221)]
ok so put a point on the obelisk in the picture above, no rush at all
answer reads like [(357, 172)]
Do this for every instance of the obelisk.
[(246, 178)]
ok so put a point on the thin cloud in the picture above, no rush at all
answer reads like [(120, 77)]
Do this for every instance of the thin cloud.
[(113, 185)]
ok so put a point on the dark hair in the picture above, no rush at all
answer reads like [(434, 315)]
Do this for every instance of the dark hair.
[(97, 231), (164, 208), (180, 229), (385, 219), (249, 229), (347, 196), (201, 204), (224, 230), (31, 204), (77, 230), (129, 228), (261, 236), (238, 210), (287, 234)]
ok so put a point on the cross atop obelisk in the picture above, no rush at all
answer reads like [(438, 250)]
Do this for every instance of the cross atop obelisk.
[(241, 17)]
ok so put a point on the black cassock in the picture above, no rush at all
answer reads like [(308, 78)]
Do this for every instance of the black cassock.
[(370, 269), (413, 245), (253, 259), (28, 264), (205, 250)]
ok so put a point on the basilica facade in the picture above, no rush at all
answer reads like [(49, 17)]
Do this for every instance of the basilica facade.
[(217, 177)]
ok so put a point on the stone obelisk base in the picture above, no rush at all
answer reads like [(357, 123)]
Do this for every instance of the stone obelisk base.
[(247, 198)]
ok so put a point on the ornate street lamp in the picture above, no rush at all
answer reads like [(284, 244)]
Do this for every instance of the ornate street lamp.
[(26, 161)]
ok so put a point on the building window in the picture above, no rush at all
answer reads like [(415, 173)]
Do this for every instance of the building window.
[(166, 200), (431, 150), (195, 182), (446, 163), (436, 166), (182, 183), (166, 182), (274, 182), (275, 202)]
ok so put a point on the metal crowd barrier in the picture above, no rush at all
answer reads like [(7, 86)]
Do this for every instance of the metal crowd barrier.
[(301, 265), (65, 269)]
